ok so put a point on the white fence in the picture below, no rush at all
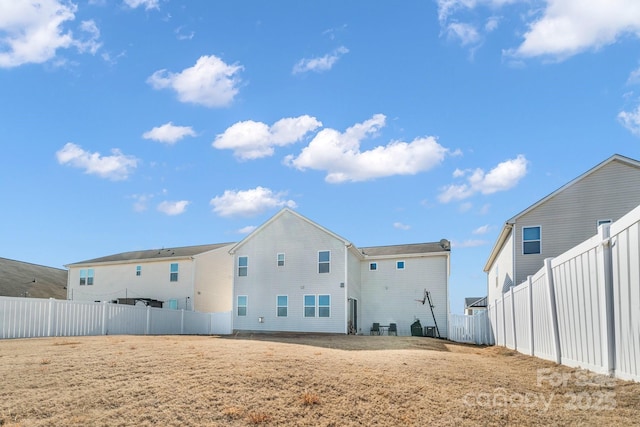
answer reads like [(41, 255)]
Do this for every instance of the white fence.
[(473, 329), (31, 317), (582, 309)]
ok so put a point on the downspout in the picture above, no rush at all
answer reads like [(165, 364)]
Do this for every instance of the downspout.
[(513, 255), (346, 287)]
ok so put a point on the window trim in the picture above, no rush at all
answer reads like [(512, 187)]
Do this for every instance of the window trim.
[(328, 262), (173, 278), (245, 267), (278, 306), (539, 240), (373, 266), (305, 306), (404, 265), (138, 270), (278, 259), (245, 305)]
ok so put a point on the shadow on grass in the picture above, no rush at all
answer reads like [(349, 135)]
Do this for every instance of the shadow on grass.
[(349, 342)]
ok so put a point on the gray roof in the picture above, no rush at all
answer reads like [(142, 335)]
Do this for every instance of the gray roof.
[(475, 302), (415, 248), (23, 279), (185, 251)]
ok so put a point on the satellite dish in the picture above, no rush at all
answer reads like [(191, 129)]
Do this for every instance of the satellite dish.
[(445, 244)]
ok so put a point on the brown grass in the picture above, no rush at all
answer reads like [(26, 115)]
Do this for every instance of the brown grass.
[(304, 380)]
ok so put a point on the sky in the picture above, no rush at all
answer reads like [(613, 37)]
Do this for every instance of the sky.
[(143, 124)]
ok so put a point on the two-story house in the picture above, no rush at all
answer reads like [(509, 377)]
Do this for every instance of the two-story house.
[(561, 220)]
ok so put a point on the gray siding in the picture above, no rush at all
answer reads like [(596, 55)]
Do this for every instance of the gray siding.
[(300, 241), (389, 295), (571, 216)]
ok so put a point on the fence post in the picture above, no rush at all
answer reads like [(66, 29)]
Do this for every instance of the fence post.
[(607, 325), (553, 310), (104, 318), (513, 320), (530, 312), (147, 328), (496, 335), (50, 317)]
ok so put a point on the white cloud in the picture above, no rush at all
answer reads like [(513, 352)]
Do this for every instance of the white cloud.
[(141, 201), (503, 177), (248, 229), (148, 4), (173, 208), (323, 63), (168, 133), (210, 82), (253, 140), (568, 27), (492, 24), (32, 32), (339, 154), (116, 167), (467, 34), (482, 229), (401, 226), (249, 202), (631, 120), (469, 244)]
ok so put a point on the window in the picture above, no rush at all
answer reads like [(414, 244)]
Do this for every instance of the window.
[(242, 305), (243, 265), (373, 266), (173, 276), (283, 305), (138, 270), (280, 260), (324, 261), (324, 305), (309, 306), (530, 240), (399, 265), (86, 277)]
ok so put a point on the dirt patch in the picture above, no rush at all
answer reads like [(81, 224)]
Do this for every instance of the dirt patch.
[(294, 379)]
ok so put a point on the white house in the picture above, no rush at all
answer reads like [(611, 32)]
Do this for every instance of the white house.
[(290, 274), (561, 220)]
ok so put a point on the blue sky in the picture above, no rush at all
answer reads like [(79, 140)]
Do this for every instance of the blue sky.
[(141, 124)]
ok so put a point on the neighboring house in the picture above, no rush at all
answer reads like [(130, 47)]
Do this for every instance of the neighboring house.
[(562, 220), (290, 274), (474, 305), (295, 275), (192, 278), (23, 279)]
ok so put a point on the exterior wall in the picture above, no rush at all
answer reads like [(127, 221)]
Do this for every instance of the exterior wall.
[(571, 216), (300, 241), (213, 286), (389, 295), (500, 275), (354, 287), (113, 281)]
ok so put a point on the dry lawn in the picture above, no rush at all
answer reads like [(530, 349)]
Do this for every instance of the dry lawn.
[(286, 379)]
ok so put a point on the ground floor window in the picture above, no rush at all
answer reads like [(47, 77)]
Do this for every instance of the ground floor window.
[(324, 305), (242, 305), (283, 305), (309, 306), (321, 303)]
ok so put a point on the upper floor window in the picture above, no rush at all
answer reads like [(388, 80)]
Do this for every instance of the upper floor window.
[(373, 266), (138, 270), (324, 261), (399, 265), (86, 277), (280, 260), (173, 275), (531, 240), (243, 265)]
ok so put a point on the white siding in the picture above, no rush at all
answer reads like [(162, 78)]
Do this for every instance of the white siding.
[(213, 287), (354, 287), (113, 281), (500, 275), (571, 216), (300, 241), (389, 295)]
